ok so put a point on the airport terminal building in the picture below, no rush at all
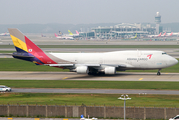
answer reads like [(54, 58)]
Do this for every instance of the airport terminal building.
[(121, 31)]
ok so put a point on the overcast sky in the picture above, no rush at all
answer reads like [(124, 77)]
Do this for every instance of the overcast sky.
[(87, 11)]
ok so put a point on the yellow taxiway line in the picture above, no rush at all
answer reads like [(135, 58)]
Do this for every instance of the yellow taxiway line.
[(64, 78)]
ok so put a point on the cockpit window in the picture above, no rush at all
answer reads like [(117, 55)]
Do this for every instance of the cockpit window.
[(164, 53)]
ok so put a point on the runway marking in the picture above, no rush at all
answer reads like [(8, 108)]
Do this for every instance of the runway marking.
[(166, 73), (140, 78), (64, 78)]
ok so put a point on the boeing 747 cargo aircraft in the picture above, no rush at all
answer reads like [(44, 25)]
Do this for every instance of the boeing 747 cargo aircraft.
[(90, 63)]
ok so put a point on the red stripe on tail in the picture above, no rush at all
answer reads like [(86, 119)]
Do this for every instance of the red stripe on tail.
[(37, 52)]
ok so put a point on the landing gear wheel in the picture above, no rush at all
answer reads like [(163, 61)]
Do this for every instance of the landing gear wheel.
[(101, 73), (158, 73), (92, 73)]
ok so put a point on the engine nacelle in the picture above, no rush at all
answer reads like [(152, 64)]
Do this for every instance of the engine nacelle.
[(110, 70), (82, 70)]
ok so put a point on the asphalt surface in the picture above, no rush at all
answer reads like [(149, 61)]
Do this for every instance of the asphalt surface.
[(121, 76), (126, 76), (95, 91)]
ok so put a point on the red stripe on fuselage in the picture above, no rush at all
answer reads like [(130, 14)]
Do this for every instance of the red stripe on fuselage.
[(37, 52)]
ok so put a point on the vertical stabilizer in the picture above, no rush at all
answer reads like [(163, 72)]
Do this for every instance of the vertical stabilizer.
[(70, 33), (77, 32), (18, 40), (26, 49)]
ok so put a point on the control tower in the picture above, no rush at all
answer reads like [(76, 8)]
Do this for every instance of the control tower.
[(157, 21)]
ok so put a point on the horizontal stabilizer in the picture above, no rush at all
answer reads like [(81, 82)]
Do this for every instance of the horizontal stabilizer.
[(16, 55), (22, 56)]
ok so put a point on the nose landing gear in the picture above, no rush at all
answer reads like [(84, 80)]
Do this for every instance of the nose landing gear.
[(158, 73)]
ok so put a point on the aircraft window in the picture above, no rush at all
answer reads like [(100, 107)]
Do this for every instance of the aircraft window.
[(164, 53)]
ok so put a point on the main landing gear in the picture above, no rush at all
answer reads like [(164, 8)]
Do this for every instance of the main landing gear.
[(96, 73), (158, 73)]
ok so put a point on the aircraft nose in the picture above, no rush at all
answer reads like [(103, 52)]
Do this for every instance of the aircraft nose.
[(174, 61)]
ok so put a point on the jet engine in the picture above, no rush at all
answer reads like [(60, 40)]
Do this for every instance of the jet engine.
[(82, 69), (110, 70)]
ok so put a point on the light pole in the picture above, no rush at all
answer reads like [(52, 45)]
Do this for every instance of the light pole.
[(125, 97)]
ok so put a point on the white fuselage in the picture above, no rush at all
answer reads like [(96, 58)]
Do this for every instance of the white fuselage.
[(74, 35), (65, 37), (129, 59)]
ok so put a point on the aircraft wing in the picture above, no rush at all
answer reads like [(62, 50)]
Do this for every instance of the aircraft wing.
[(115, 65), (122, 66), (60, 65), (89, 65), (71, 65)]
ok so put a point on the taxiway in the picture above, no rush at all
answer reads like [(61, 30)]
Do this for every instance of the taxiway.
[(95, 91), (120, 76)]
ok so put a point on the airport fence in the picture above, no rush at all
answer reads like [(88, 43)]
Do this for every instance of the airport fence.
[(107, 112)]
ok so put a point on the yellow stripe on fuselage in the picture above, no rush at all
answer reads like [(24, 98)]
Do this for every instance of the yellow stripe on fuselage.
[(19, 43)]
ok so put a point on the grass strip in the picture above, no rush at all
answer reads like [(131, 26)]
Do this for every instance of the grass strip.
[(7, 51), (89, 99), (156, 85), (11, 64), (99, 46)]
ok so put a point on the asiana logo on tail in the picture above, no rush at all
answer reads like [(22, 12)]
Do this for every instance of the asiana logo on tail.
[(150, 55), (30, 50)]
